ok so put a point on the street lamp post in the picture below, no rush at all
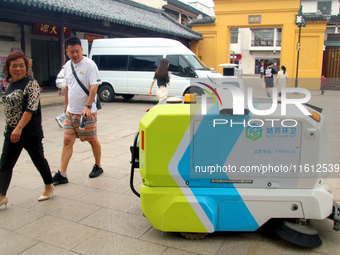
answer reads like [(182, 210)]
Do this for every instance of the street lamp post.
[(300, 21)]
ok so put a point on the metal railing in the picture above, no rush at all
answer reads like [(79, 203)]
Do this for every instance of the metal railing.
[(265, 43)]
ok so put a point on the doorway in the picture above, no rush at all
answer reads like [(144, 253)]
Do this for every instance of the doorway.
[(46, 62)]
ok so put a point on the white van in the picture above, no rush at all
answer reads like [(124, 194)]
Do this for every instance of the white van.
[(127, 66)]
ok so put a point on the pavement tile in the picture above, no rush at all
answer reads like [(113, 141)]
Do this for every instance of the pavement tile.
[(66, 209), (23, 159), (336, 194), (172, 251), (13, 243), (118, 222), (277, 246), (208, 245), (137, 210), (126, 141), (109, 199), (78, 174), (58, 232), (137, 184), (109, 243), (115, 172), (53, 144), (110, 162), (80, 146), (330, 238), (121, 133), (27, 181), (239, 247), (22, 197), (110, 184), (46, 249), (82, 156), (333, 183), (72, 191), (15, 217), (53, 158), (112, 150), (27, 168), (325, 225)]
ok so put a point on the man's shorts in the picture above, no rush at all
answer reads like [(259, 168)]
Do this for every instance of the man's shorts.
[(71, 127), (269, 82)]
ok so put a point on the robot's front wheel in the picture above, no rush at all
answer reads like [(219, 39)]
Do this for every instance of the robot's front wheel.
[(194, 236)]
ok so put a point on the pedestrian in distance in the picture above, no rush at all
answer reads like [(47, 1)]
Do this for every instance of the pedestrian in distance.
[(23, 129), (60, 83), (262, 69), (282, 79), (163, 79), (269, 78), (323, 84), (81, 73)]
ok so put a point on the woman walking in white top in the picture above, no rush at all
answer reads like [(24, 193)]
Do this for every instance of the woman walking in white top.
[(282, 79)]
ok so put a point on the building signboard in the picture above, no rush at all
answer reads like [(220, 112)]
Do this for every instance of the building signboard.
[(49, 30), (254, 19), (90, 37)]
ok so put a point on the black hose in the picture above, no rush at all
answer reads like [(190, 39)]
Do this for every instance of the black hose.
[(133, 160)]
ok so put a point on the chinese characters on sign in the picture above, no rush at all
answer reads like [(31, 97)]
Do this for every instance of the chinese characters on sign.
[(90, 38), (49, 30), (254, 19)]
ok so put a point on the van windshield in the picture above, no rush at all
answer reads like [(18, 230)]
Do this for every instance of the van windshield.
[(195, 62)]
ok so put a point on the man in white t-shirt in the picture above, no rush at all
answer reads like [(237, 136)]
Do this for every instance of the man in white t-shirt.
[(78, 104)]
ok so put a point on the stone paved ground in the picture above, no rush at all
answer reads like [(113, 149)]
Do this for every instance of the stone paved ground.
[(102, 216)]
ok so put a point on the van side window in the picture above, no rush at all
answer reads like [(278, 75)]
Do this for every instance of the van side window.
[(144, 63), (111, 62), (179, 66), (183, 67), (173, 63)]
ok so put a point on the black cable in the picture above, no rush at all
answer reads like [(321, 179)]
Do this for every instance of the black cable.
[(133, 160)]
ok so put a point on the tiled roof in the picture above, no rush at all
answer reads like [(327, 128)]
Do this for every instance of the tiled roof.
[(203, 21), (335, 18), (124, 12), (316, 17), (332, 43)]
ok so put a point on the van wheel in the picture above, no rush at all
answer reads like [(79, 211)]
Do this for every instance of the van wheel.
[(106, 93), (128, 96), (194, 90)]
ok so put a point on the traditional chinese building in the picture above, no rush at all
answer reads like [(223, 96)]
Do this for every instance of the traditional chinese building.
[(39, 28)]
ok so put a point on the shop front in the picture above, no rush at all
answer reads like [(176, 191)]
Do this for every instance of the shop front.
[(265, 62), (235, 58)]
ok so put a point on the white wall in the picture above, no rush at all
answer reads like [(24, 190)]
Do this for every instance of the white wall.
[(12, 30), (312, 6), (202, 7), (236, 47), (152, 3)]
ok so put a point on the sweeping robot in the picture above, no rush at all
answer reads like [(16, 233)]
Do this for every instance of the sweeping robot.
[(208, 165)]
